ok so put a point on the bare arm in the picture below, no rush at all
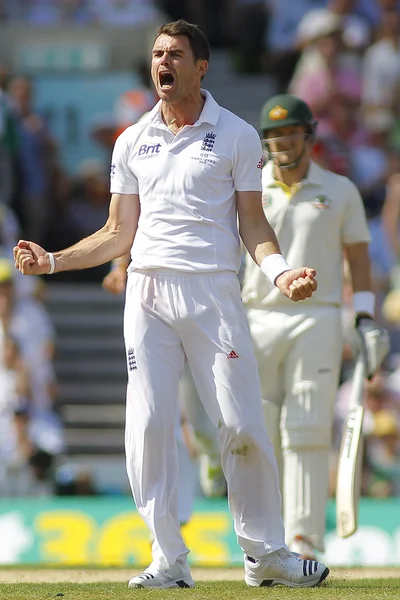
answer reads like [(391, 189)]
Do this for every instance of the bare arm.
[(254, 229), (260, 241), (110, 242), (122, 262), (115, 280), (360, 267)]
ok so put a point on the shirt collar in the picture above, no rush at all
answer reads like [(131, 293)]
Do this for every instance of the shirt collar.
[(313, 176), (209, 114)]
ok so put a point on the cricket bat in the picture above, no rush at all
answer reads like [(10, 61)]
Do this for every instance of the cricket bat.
[(348, 482)]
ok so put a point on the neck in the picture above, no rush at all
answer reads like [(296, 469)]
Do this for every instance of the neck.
[(291, 176), (184, 112)]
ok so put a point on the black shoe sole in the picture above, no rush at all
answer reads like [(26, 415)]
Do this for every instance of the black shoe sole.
[(324, 575), (271, 582)]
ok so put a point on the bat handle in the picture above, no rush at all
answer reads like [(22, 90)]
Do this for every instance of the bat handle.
[(358, 383)]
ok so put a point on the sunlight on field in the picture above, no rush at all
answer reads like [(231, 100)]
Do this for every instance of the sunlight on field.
[(335, 589), (212, 584)]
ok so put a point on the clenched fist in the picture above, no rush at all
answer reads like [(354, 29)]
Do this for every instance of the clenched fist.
[(31, 259), (297, 284), (115, 281)]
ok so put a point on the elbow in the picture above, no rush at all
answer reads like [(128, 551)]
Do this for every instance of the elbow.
[(126, 247)]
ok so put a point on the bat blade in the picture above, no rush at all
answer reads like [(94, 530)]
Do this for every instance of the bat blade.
[(348, 483), (349, 474)]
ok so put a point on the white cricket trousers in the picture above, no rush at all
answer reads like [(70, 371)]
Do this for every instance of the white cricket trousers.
[(170, 316)]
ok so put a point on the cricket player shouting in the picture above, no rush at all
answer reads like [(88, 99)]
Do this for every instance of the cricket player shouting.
[(316, 215), (180, 179)]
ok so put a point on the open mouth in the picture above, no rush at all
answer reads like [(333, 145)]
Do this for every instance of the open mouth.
[(166, 80)]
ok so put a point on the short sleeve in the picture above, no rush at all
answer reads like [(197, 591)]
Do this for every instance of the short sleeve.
[(355, 228), (247, 161), (122, 180)]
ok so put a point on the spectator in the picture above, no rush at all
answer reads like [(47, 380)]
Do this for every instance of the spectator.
[(282, 50), (334, 149), (123, 13), (134, 103), (391, 213), (373, 11), (48, 12), (27, 321), (356, 33), (75, 11), (373, 162), (383, 457), (34, 160), (356, 29), (88, 210), (103, 132), (74, 481), (15, 446), (322, 70), (248, 50), (89, 207), (381, 67), (8, 142)]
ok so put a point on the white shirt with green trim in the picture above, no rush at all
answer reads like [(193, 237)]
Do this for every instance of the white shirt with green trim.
[(313, 225)]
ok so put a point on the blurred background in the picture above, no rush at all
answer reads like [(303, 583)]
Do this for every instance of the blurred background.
[(73, 75)]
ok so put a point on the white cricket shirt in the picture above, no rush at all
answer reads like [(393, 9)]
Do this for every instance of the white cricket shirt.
[(323, 214), (186, 185)]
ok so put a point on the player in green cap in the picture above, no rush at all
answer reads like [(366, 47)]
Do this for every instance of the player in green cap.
[(317, 215), (292, 119)]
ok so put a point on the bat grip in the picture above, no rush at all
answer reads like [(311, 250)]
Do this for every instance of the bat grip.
[(358, 383)]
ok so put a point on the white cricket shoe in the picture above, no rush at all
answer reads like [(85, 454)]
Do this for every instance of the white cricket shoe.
[(177, 576), (212, 478), (302, 546), (283, 568)]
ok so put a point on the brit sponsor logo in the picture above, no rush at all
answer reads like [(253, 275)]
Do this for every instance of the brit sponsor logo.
[(113, 169), (149, 150)]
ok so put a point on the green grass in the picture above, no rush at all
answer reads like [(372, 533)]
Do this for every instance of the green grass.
[(336, 589)]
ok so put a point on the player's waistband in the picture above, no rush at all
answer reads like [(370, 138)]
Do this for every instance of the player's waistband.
[(175, 273)]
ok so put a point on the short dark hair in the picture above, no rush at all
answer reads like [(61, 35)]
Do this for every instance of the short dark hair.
[(197, 40)]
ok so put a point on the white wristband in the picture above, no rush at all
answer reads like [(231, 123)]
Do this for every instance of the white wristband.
[(364, 302), (52, 261), (274, 265)]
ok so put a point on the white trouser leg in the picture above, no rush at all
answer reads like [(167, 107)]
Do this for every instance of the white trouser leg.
[(219, 349), (298, 358), (311, 379), (206, 434), (306, 482), (272, 417), (271, 344), (155, 360), (187, 476)]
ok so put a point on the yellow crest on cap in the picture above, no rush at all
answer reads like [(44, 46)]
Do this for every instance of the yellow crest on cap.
[(277, 113)]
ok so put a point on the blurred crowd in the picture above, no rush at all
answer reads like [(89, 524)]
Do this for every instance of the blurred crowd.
[(341, 56)]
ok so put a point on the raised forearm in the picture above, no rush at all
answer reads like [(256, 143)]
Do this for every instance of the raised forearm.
[(360, 267), (101, 247), (259, 239), (122, 262)]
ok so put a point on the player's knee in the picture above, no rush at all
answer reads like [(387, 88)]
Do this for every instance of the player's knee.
[(239, 441), (154, 427), (272, 416), (307, 417), (305, 437)]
